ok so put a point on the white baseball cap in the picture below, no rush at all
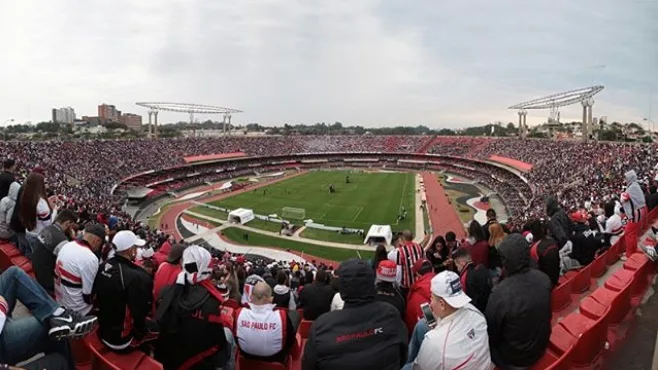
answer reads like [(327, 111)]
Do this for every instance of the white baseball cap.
[(126, 239), (447, 285)]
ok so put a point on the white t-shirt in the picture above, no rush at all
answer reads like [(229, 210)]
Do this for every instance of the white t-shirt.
[(260, 330), (337, 303), (458, 341), (45, 216), (615, 228), (75, 272)]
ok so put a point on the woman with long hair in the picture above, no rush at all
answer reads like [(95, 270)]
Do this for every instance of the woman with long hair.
[(496, 234), (380, 255), (35, 211), (477, 244)]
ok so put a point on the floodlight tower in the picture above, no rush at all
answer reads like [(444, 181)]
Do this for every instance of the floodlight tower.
[(191, 109)]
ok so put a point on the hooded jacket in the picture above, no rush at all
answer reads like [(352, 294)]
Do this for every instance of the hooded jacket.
[(560, 225), (519, 308), (364, 335), (283, 297), (7, 205), (636, 199), (418, 294)]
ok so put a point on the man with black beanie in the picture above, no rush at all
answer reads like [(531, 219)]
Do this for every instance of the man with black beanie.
[(364, 335)]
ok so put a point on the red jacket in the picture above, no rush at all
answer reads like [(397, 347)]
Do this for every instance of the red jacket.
[(165, 276), (161, 255), (418, 294), (479, 253)]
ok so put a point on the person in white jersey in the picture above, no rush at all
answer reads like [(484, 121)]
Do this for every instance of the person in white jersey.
[(76, 268)]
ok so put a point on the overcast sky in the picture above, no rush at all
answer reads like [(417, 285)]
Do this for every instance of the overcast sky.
[(368, 62)]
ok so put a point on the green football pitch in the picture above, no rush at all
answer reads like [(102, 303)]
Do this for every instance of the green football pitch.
[(369, 198)]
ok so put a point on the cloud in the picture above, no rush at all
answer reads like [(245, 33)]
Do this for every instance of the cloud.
[(368, 62)]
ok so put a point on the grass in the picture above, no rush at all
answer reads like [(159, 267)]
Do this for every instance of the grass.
[(261, 240), (331, 236), (369, 198), (214, 213)]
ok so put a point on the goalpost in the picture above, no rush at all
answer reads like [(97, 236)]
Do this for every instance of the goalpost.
[(294, 213)]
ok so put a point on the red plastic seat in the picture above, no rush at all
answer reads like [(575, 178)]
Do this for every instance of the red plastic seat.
[(248, 364), (612, 254), (561, 340), (105, 359), (82, 354), (592, 337), (580, 280), (598, 266), (561, 296), (619, 280), (639, 264), (552, 361), (619, 303), (304, 328), (23, 263), (10, 250)]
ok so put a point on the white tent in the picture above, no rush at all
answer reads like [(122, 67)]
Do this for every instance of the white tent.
[(226, 185), (241, 216), (379, 233)]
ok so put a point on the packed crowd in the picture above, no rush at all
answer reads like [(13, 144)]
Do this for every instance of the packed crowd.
[(149, 293)]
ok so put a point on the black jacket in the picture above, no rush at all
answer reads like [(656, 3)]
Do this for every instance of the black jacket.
[(44, 257), (189, 318), (387, 292), (477, 284), (559, 226), (124, 296), (547, 259), (316, 299), (519, 309), (585, 244), (364, 335), (6, 178)]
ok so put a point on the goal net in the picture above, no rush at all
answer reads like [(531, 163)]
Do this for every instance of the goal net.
[(294, 213)]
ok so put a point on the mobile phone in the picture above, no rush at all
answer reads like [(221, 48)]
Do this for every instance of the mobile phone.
[(428, 315)]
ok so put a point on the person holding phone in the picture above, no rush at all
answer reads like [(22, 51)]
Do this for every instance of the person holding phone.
[(458, 331)]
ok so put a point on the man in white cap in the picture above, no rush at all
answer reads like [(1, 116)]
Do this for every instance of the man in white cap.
[(124, 293), (460, 338), (194, 330)]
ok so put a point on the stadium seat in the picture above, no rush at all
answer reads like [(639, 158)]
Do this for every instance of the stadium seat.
[(7, 252), (552, 361), (304, 328), (639, 264), (561, 296), (249, 364), (580, 280), (599, 266), (561, 340), (592, 338), (619, 303), (619, 280), (82, 354), (23, 263), (104, 359), (612, 254)]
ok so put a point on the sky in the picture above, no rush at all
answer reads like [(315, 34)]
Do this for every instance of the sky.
[(361, 62)]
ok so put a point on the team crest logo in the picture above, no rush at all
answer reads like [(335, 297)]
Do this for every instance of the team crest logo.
[(471, 334)]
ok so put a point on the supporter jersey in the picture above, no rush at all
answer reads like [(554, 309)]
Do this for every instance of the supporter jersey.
[(260, 330), (407, 255), (75, 271), (615, 228), (45, 216)]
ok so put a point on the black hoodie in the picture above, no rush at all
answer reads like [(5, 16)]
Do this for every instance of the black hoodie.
[(519, 309), (560, 225), (364, 335)]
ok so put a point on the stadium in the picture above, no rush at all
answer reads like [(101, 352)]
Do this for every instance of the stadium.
[(322, 200)]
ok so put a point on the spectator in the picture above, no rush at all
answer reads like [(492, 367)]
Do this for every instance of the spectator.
[(193, 334), (459, 339), (544, 252), (43, 331), (47, 247), (519, 309), (635, 208), (496, 234), (316, 298), (405, 255), (249, 284), (438, 253), (364, 335), (7, 205), (7, 176), (477, 245), (76, 268), (419, 292), (124, 296), (614, 228), (337, 302), (559, 225), (386, 286), (475, 279), (36, 212), (492, 219), (380, 255), (283, 297), (586, 243), (168, 270), (451, 242), (264, 332)]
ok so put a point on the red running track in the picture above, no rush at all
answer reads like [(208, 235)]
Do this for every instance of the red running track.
[(443, 215)]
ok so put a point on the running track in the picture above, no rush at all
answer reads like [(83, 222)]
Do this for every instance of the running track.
[(442, 214)]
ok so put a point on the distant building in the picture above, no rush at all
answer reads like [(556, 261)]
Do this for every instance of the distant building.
[(63, 115), (91, 120), (108, 113), (132, 121)]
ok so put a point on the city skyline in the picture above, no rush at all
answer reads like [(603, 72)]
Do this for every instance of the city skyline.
[(361, 62)]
